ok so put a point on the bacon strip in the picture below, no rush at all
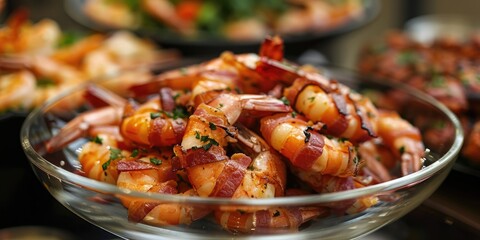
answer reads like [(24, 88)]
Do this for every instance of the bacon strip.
[(139, 209), (197, 156), (272, 47), (168, 104), (124, 166), (166, 132), (365, 124), (231, 176), (310, 152)]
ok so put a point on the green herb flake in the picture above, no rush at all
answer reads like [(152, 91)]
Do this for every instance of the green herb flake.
[(97, 140), (401, 150), (407, 58), (438, 81), (204, 138), (212, 126), (135, 153), (115, 154), (154, 115), (155, 161), (285, 101), (45, 83), (183, 71)]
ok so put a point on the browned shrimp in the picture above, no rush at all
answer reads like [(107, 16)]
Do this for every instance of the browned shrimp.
[(404, 140), (99, 158), (210, 128), (151, 171), (307, 149), (151, 125), (343, 113)]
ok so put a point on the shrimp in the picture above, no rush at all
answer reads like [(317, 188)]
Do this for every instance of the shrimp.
[(157, 122), (74, 54), (313, 16), (122, 51), (325, 183), (268, 170), (151, 125), (307, 149), (246, 29), (98, 158), (249, 73), (272, 219), (378, 160), (209, 130), (51, 76), (344, 114), (83, 124), (110, 13), (20, 36), (164, 11), (152, 172), (403, 139), (16, 90)]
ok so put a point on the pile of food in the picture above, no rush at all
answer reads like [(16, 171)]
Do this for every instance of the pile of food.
[(242, 126), (447, 69), (39, 60), (234, 20)]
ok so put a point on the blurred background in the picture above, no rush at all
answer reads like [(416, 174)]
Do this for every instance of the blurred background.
[(24, 202)]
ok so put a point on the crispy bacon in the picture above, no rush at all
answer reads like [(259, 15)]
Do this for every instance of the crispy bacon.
[(123, 166), (159, 134), (231, 176), (197, 156), (138, 209), (167, 101), (310, 152), (272, 47)]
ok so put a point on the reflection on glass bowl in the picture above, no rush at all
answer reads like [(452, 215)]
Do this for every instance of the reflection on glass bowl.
[(100, 203)]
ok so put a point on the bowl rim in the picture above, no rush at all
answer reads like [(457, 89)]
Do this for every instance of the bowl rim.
[(412, 179)]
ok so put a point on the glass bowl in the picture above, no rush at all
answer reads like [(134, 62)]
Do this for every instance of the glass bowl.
[(100, 203)]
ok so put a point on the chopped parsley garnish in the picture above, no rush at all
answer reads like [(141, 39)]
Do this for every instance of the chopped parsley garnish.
[(438, 81), (154, 115), (176, 96), (115, 154), (69, 38), (155, 161), (183, 71), (402, 149), (45, 83), (285, 101), (178, 112), (206, 139), (212, 126), (135, 153), (97, 140), (407, 57)]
